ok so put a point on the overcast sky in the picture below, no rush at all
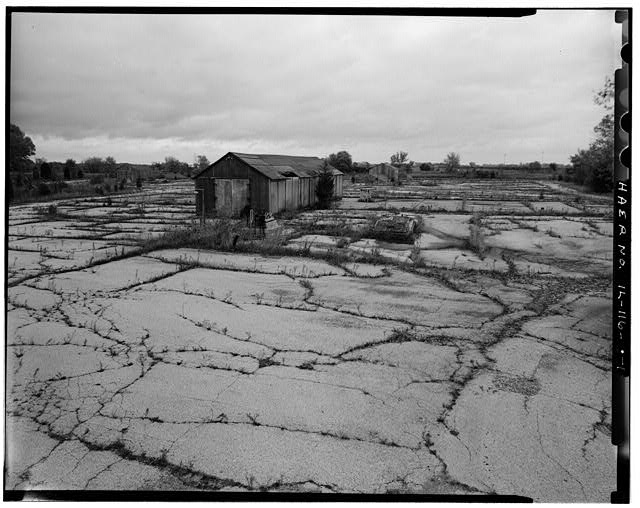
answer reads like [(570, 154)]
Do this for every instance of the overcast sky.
[(143, 87)]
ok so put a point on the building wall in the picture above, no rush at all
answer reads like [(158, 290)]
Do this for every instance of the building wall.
[(258, 191), (232, 196), (205, 188), (385, 170), (337, 185)]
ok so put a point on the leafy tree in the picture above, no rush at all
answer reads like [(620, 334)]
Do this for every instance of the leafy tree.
[(553, 166), (43, 189), (201, 163), (94, 165), (399, 157), (139, 182), (20, 149), (452, 161), (45, 171), (110, 166), (341, 161), (173, 165), (69, 169), (594, 166), (425, 166), (535, 165), (324, 189)]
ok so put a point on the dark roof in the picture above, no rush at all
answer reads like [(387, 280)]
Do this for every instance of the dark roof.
[(279, 167)]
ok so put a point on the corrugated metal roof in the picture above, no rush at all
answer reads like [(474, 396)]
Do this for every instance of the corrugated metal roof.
[(278, 167)]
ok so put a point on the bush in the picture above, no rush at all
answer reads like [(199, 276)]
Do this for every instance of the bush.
[(43, 189), (324, 189), (222, 234), (96, 179), (475, 242)]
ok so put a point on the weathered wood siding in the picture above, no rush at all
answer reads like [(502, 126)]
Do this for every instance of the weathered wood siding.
[(230, 167), (258, 191), (337, 186), (232, 195), (205, 187)]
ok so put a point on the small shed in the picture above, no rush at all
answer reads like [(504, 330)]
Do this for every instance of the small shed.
[(387, 171), (265, 183)]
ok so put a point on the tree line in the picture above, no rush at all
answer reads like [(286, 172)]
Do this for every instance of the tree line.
[(28, 174)]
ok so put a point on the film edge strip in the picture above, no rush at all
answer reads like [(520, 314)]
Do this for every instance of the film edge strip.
[(621, 297)]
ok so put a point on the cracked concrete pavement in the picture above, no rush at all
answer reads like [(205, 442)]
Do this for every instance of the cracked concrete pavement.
[(184, 369)]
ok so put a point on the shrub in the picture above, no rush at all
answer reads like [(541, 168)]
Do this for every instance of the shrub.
[(43, 189), (223, 234), (475, 242), (96, 179), (324, 189)]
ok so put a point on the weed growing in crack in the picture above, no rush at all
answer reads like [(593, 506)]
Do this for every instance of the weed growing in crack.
[(476, 242), (426, 438), (306, 284), (513, 270), (416, 257), (253, 418)]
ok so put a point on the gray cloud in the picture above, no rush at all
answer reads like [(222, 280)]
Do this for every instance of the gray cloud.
[(310, 84)]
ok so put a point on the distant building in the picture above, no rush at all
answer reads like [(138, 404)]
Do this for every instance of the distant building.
[(264, 183), (386, 171)]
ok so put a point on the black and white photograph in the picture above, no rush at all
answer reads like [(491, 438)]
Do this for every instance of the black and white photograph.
[(332, 254)]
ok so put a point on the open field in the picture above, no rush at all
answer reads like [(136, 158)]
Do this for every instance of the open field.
[(474, 360)]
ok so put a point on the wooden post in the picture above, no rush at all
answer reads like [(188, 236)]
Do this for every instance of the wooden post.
[(202, 217)]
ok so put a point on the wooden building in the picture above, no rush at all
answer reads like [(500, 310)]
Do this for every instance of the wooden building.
[(387, 172), (264, 183)]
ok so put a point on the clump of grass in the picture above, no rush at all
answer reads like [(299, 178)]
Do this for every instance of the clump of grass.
[(416, 257), (553, 233), (475, 242), (342, 243), (48, 211), (306, 284), (223, 234)]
